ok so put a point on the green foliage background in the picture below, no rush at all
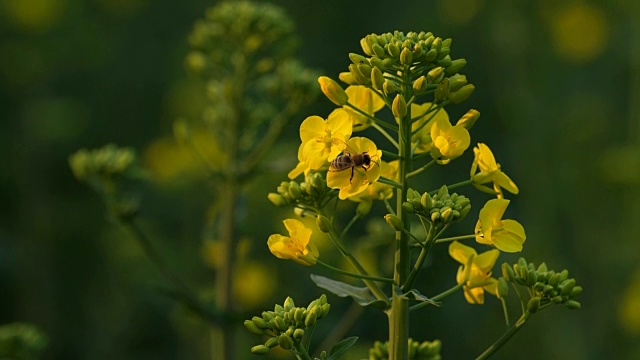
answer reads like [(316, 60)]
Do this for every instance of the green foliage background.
[(558, 86)]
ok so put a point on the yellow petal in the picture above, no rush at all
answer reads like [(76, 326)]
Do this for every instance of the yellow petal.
[(501, 179), (312, 128), (487, 260), (340, 124), (486, 160), (281, 246), (492, 212), (461, 253), (316, 154), (299, 169), (364, 99), (515, 228), (338, 179), (299, 233), (508, 242)]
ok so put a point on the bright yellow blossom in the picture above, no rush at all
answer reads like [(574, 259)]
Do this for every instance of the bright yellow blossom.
[(506, 235), (296, 246), (378, 190), (449, 141), (475, 272), (364, 99), (361, 178), (322, 141), (422, 141), (489, 172)]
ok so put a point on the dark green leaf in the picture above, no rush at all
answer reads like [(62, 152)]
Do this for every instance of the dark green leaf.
[(342, 347), (361, 295)]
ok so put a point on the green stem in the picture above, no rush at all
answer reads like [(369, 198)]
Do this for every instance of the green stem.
[(389, 208), (384, 180), (385, 134), (354, 275), (505, 337), (438, 297), (421, 169), (349, 225), (505, 310), (372, 118), (462, 183), (301, 351), (455, 238), (421, 258), (389, 154)]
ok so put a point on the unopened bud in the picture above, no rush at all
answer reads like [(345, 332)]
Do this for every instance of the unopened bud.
[(260, 322), (442, 91), (462, 94), (430, 55), (445, 62), (399, 107), (271, 342), (357, 59), (577, 290), (503, 288), (437, 44), (435, 75), (347, 78), (277, 199), (312, 316), (389, 87), (358, 76), (446, 215), (533, 305), (377, 79), (363, 208), (260, 349), (394, 221), (366, 43), (456, 82), (468, 120), (456, 66), (573, 305), (378, 50), (298, 334), (507, 272), (420, 85), (251, 326), (393, 50), (408, 207), (426, 201), (333, 91), (567, 287), (406, 57), (285, 341), (323, 223)]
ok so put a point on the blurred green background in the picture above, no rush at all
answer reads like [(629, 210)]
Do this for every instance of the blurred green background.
[(558, 86)]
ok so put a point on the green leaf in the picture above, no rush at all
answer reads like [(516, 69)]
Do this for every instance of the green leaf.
[(414, 294), (361, 295), (342, 347)]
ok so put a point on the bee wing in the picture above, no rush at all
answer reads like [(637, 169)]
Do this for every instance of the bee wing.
[(346, 149)]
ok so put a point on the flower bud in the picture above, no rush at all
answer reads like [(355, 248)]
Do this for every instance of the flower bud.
[(333, 91), (277, 199), (447, 42), (347, 78), (468, 120), (464, 211), (325, 310), (365, 70), (323, 223), (456, 66), (311, 318), (285, 342), (503, 288), (298, 315), (577, 290), (358, 59), (288, 304), (377, 79), (271, 342), (507, 272), (446, 214), (573, 305), (389, 87), (564, 274), (251, 326), (456, 82), (363, 208), (442, 91), (408, 207), (420, 85), (260, 322), (399, 107), (298, 334), (260, 349), (437, 44), (557, 299), (294, 190), (567, 287), (444, 62), (430, 55), (376, 62), (393, 50), (378, 50), (406, 57), (435, 75), (444, 51), (394, 221), (358, 76), (366, 45), (462, 94), (299, 212)]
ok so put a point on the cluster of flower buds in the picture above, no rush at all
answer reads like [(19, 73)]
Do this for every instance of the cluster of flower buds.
[(547, 286), (426, 55), (108, 162), (427, 350), (286, 324), (440, 209), (309, 193)]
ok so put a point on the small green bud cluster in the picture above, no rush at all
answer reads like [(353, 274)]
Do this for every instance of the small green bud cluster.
[(439, 209), (287, 324), (108, 162), (546, 286), (427, 350), (306, 194), (427, 56)]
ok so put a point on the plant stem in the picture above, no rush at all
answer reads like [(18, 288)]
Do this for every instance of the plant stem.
[(455, 238), (505, 337), (505, 310), (421, 258), (399, 312), (354, 275), (349, 225), (301, 351), (384, 180), (421, 169), (462, 183), (385, 134), (372, 118), (440, 296)]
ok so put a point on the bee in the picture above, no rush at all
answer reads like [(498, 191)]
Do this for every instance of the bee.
[(351, 159)]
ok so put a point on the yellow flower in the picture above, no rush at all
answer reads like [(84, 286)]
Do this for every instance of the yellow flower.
[(322, 141), (364, 99), (489, 172), (296, 246), (377, 190), (449, 141), (422, 141), (506, 235), (361, 178), (475, 272)]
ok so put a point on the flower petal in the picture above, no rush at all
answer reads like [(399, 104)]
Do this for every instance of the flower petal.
[(515, 228), (487, 260), (312, 127), (508, 242), (501, 179), (492, 212), (461, 253)]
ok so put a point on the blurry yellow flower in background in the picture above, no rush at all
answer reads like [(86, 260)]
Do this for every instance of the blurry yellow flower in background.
[(489, 172), (449, 142), (172, 163), (459, 12), (253, 284), (364, 99), (322, 141), (506, 235), (361, 178), (34, 15), (579, 32), (296, 246), (475, 272), (628, 310)]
